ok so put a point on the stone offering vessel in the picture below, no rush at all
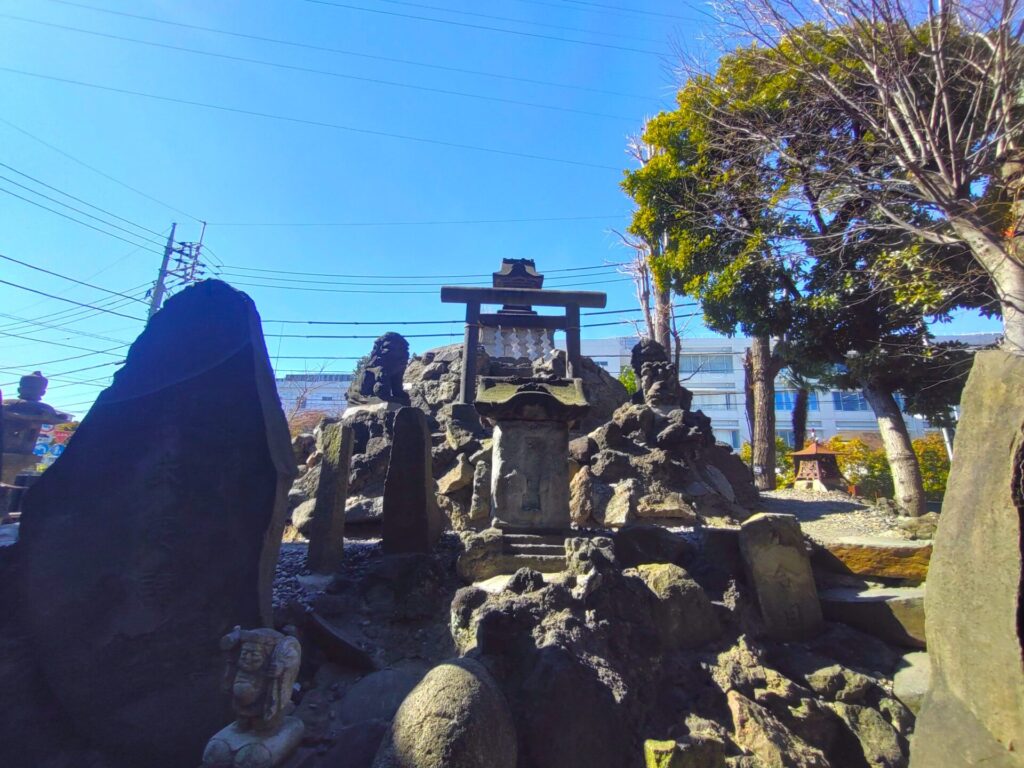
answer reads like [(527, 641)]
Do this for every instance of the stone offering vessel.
[(262, 665)]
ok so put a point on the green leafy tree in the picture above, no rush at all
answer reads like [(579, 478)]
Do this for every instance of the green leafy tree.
[(627, 377)]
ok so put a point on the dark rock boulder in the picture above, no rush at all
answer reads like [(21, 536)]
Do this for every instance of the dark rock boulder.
[(158, 531)]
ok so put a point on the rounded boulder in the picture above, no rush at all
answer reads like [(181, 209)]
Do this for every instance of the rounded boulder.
[(457, 717)]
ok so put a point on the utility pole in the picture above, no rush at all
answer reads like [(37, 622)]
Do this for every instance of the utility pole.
[(186, 267), (157, 296)]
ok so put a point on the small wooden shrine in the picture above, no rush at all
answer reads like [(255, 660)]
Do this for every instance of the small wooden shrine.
[(816, 469)]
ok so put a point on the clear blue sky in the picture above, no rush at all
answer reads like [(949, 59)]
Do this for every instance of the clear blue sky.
[(366, 142)]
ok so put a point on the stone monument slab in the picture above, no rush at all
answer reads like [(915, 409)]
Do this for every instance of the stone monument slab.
[(158, 530), (411, 521), (327, 528), (778, 567)]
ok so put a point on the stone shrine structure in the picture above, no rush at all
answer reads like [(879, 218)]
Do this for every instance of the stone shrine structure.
[(412, 521), (262, 665), (158, 530), (515, 323), (23, 417), (380, 380), (817, 469), (530, 464)]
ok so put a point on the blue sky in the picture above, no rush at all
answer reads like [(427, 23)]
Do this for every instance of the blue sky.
[(407, 174)]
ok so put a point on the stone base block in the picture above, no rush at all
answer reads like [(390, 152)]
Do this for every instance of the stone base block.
[(892, 614), (234, 748)]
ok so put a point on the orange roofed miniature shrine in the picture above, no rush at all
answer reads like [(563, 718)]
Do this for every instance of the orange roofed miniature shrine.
[(816, 469)]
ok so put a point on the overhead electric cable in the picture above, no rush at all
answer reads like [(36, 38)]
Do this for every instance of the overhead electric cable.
[(69, 346), (627, 10), (344, 52), (313, 70), (69, 301), (78, 210), (320, 281), (304, 121), (70, 279), (72, 218), (414, 277), (94, 169), (78, 199), (530, 22), (395, 293), (49, 326), (411, 223), (484, 27), (370, 336), (74, 314), (41, 363)]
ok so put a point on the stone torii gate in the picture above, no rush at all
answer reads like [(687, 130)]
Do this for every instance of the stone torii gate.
[(518, 300)]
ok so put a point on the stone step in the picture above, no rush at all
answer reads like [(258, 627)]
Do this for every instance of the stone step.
[(555, 540), (545, 550), (892, 614), (912, 680), (873, 557)]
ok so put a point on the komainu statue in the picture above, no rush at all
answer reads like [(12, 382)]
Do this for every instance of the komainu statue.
[(380, 380), (262, 665)]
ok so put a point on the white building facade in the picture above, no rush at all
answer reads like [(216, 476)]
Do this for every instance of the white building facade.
[(323, 392), (712, 368)]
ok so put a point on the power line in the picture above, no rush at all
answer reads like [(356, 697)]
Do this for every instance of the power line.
[(411, 223), (71, 279), (74, 315), (304, 121), (435, 322), (78, 199), (319, 281), (345, 52), (313, 70), (627, 10), (467, 25), (92, 168), (69, 301), (36, 365), (415, 277), (523, 21), (395, 293), (453, 334), (621, 322), (69, 346), (49, 326), (72, 218)]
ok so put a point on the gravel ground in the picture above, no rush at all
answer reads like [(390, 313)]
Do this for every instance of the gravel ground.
[(831, 514)]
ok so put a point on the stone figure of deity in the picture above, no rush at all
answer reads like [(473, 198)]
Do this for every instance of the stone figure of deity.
[(380, 380)]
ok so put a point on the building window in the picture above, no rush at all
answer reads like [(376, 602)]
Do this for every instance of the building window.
[(785, 400), (788, 435), (728, 436), (602, 363), (705, 364), (713, 401), (327, 397), (849, 401)]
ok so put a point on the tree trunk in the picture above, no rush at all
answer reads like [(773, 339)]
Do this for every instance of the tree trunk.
[(763, 368), (663, 316), (906, 472), (803, 396)]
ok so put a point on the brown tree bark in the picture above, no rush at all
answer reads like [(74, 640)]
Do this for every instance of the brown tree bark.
[(906, 472), (803, 397), (764, 366)]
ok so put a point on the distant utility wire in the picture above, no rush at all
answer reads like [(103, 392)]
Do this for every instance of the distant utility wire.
[(75, 314), (78, 199), (298, 224), (69, 301), (528, 22), (69, 346), (310, 122), (345, 52), (316, 71), (70, 279), (78, 221), (436, 322), (272, 281), (415, 277), (41, 363), (627, 10), (94, 169), (394, 293), (467, 25), (50, 326)]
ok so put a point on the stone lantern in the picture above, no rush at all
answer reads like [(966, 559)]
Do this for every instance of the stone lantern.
[(816, 469), (23, 418)]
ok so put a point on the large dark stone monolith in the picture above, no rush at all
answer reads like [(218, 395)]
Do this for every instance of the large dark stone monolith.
[(411, 516), (158, 530)]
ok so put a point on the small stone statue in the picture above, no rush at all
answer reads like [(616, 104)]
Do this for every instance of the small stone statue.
[(262, 665), (380, 380), (661, 387)]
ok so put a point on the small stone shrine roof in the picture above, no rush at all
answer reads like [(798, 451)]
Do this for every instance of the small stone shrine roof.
[(502, 397)]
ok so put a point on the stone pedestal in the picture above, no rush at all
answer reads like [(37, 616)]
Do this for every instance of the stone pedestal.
[(411, 520), (232, 747), (530, 465)]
